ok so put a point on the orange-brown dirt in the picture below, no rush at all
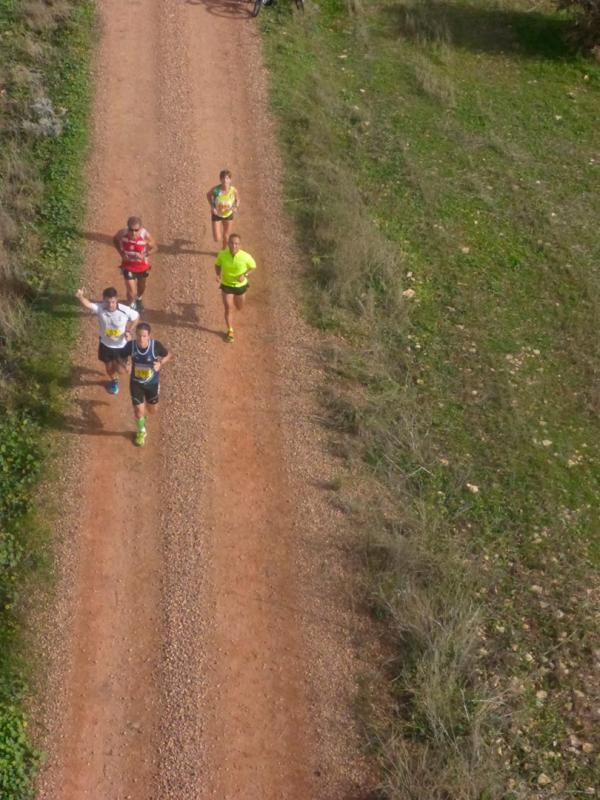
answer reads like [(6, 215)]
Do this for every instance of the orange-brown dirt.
[(200, 644)]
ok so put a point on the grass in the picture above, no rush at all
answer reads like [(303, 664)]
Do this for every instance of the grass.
[(441, 164), (45, 96)]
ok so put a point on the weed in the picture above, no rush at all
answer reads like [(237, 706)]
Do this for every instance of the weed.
[(43, 70), (455, 274)]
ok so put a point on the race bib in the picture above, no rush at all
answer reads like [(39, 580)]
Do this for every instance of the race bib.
[(142, 373), (114, 332)]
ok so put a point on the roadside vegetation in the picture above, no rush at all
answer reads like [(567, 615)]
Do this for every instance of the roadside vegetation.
[(442, 163), (44, 95)]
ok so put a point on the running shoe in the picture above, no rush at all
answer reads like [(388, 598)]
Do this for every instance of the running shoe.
[(229, 337), (139, 306), (133, 305), (140, 438), (113, 387)]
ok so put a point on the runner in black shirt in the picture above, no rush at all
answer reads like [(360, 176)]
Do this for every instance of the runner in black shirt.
[(148, 356)]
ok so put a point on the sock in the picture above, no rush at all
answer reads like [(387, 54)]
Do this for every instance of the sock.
[(141, 423)]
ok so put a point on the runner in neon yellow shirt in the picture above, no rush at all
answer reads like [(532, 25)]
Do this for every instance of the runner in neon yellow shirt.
[(231, 269)]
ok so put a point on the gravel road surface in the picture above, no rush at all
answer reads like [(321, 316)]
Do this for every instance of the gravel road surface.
[(200, 645)]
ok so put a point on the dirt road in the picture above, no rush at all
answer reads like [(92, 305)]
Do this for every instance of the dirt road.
[(200, 644)]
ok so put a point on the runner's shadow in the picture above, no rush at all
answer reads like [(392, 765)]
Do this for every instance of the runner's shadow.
[(228, 9), (80, 377), (87, 422), (176, 248), (187, 319)]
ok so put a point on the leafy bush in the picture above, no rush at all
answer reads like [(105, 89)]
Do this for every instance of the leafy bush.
[(587, 24), (19, 464), (17, 757), (44, 99)]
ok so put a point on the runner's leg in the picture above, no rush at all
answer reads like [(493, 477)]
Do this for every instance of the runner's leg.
[(228, 307), (216, 230), (239, 300), (225, 227), (130, 288), (141, 287), (139, 412), (113, 368)]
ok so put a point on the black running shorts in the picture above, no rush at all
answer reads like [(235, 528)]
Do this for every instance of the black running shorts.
[(235, 289), (144, 392), (108, 354), (131, 276)]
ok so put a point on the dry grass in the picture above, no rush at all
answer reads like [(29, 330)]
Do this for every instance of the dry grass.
[(438, 745), (464, 414), (25, 118), (43, 16)]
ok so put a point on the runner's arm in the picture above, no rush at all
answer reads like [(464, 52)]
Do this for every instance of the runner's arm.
[(210, 197), (236, 204), (117, 241), (132, 324), (150, 243), (163, 356), (84, 301), (218, 272), (250, 265), (159, 363)]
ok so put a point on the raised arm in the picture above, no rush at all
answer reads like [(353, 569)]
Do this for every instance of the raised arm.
[(84, 301)]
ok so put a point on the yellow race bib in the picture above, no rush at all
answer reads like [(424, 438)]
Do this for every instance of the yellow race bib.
[(114, 332), (143, 373)]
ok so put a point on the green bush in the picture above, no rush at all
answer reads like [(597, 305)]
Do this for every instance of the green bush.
[(44, 102), (587, 20), (17, 757), (20, 455)]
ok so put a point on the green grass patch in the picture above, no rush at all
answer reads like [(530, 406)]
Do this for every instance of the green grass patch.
[(442, 160), (44, 76)]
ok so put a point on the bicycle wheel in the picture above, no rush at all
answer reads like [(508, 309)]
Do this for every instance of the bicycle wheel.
[(256, 8)]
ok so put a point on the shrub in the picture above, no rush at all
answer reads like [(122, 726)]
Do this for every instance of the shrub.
[(17, 757), (587, 21)]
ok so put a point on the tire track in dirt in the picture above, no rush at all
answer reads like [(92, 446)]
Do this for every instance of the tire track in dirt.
[(205, 633)]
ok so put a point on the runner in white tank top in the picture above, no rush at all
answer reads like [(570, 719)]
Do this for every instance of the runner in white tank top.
[(117, 323)]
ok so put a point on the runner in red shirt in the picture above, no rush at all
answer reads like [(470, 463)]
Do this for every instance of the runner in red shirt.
[(134, 245)]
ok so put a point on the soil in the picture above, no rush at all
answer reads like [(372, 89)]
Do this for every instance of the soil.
[(200, 643)]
